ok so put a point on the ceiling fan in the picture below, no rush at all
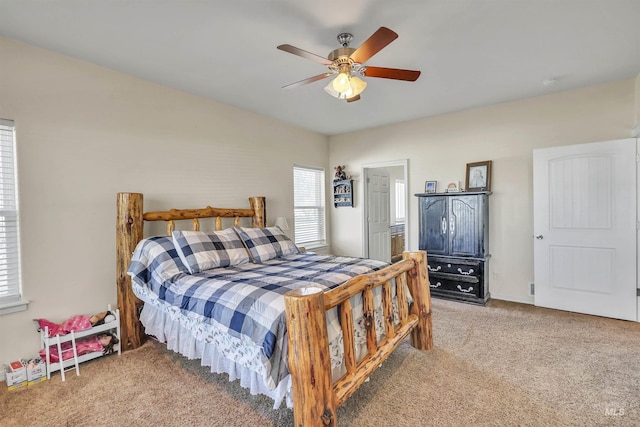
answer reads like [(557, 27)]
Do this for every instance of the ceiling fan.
[(347, 64)]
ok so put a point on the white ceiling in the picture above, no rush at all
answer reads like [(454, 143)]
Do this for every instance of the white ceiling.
[(471, 52)]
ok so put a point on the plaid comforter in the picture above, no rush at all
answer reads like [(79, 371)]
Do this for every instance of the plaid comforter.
[(245, 300)]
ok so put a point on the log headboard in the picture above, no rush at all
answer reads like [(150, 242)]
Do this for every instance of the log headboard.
[(130, 220)]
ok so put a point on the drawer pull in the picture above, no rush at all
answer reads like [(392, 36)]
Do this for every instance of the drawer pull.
[(437, 285), (438, 268), (465, 290), (466, 273)]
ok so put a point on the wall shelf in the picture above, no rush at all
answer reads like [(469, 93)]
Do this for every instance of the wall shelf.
[(343, 193)]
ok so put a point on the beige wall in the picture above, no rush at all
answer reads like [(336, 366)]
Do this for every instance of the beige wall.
[(438, 148), (85, 133)]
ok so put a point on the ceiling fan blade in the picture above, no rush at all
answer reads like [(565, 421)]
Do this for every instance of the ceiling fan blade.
[(353, 98), (307, 81), (303, 53), (373, 45), (392, 73)]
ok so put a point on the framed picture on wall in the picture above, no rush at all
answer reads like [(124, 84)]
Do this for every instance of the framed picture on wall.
[(430, 186), (479, 176)]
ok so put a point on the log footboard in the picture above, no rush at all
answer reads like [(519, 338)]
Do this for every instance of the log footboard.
[(315, 395)]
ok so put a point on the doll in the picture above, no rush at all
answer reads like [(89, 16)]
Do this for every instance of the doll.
[(101, 342), (76, 323)]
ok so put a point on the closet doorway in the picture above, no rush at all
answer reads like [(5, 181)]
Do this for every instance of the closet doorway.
[(385, 212)]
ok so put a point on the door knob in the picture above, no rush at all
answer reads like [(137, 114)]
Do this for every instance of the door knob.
[(539, 237)]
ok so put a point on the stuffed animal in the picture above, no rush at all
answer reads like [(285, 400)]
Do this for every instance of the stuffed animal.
[(340, 173)]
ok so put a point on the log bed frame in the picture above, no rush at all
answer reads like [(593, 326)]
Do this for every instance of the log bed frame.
[(315, 395)]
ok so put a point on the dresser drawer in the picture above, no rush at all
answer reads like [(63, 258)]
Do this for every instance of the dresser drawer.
[(459, 267), (450, 284)]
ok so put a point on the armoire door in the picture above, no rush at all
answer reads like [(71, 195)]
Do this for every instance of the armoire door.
[(465, 226), (434, 220)]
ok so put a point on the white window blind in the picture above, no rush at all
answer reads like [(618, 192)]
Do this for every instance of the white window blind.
[(308, 206), (9, 249)]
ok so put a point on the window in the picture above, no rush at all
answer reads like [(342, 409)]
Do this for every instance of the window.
[(400, 201), (308, 206), (10, 297)]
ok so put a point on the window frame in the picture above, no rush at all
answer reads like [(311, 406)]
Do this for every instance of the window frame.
[(10, 258), (400, 200), (318, 204)]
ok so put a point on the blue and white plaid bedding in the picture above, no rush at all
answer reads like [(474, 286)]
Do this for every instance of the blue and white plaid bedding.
[(245, 300)]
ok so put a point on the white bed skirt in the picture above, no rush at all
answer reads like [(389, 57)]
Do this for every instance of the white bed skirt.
[(180, 339), (242, 359)]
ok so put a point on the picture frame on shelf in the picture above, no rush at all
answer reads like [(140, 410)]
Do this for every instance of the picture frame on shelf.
[(430, 186), (479, 176), (453, 187)]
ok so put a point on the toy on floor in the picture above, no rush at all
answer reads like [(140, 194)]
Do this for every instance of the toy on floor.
[(76, 323), (101, 342)]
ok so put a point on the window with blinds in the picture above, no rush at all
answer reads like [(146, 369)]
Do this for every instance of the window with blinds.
[(400, 201), (309, 206), (10, 298)]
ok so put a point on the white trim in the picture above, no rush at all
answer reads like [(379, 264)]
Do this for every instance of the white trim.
[(512, 299), (635, 132), (316, 246), (389, 163), (14, 306)]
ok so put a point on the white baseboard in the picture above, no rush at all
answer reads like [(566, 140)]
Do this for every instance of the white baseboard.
[(512, 299)]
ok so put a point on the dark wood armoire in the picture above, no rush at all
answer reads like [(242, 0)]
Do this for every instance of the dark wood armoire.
[(454, 231)]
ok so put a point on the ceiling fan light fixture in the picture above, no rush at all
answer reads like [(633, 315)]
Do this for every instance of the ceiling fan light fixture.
[(342, 82), (357, 85), (339, 95)]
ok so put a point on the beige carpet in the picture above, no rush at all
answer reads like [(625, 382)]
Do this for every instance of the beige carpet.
[(502, 365)]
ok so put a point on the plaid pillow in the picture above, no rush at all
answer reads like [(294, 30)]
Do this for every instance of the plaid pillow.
[(201, 251), (155, 260), (266, 243)]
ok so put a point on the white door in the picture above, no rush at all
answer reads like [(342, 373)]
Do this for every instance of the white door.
[(585, 228), (379, 212)]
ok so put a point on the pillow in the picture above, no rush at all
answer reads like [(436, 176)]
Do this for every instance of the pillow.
[(201, 251), (155, 261), (266, 243)]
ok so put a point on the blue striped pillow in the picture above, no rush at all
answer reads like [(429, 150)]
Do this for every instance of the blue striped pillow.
[(266, 243), (201, 251)]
